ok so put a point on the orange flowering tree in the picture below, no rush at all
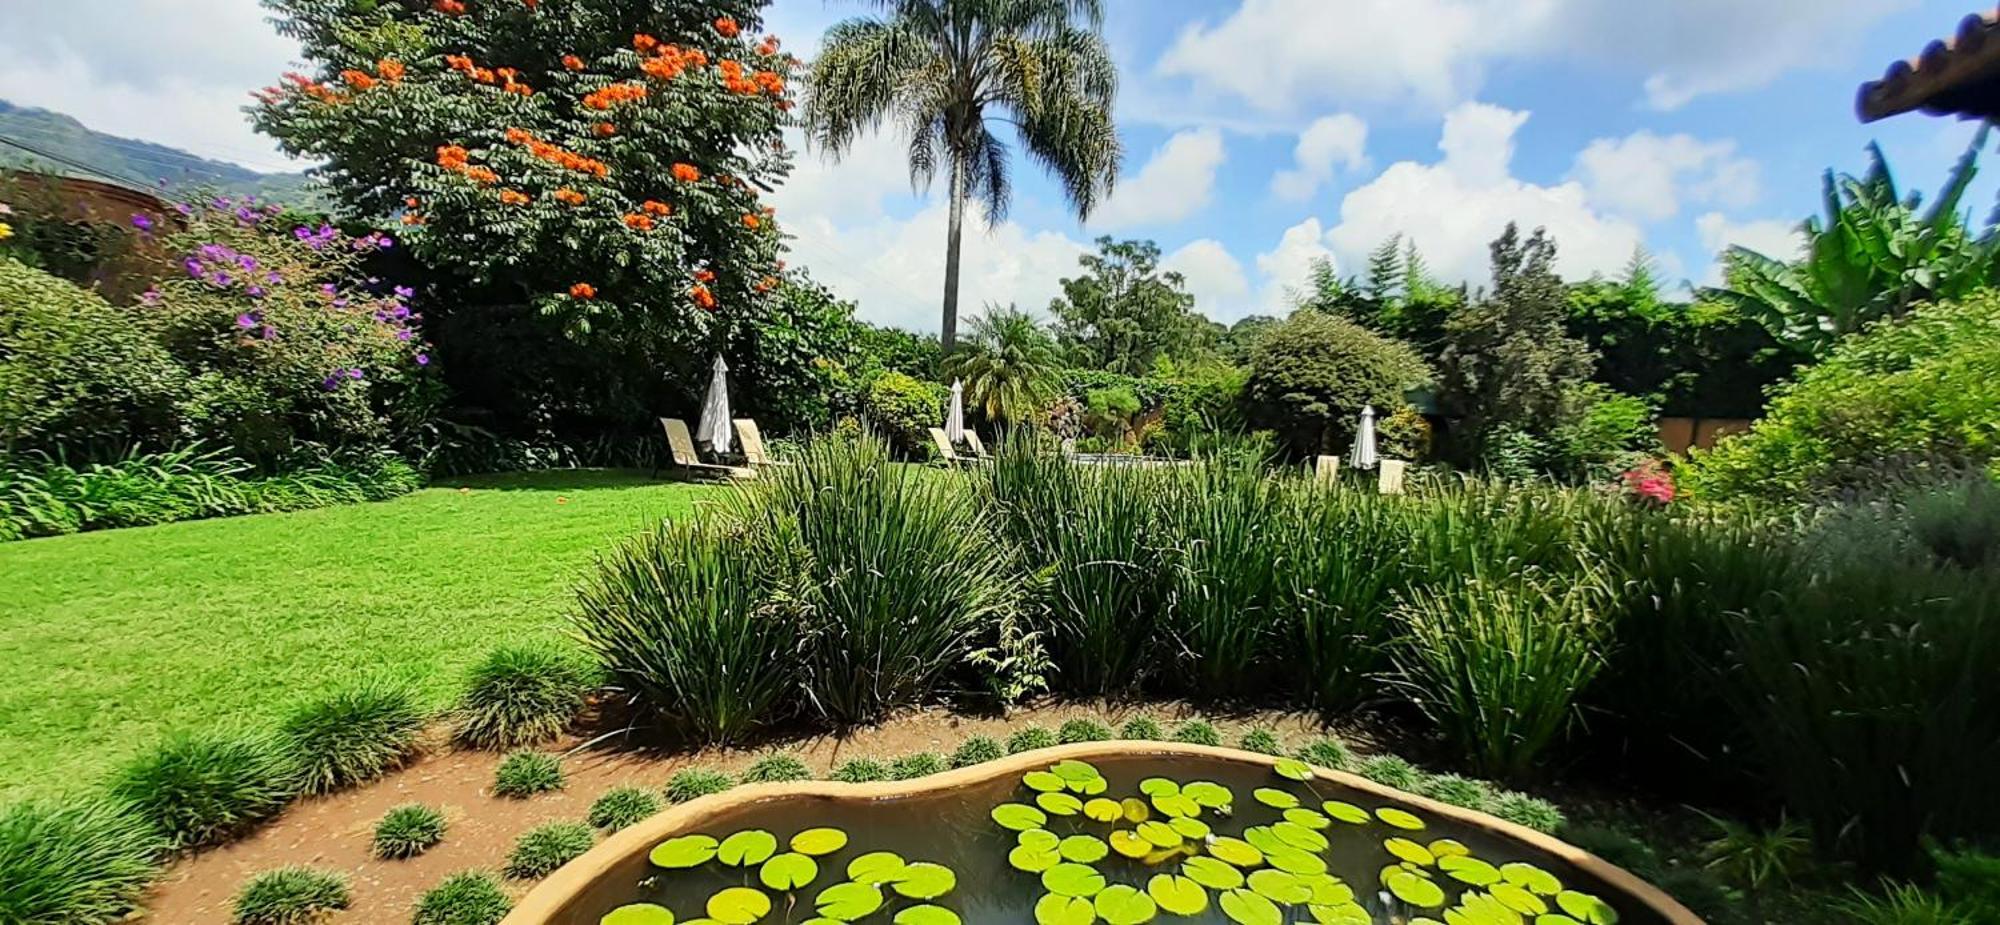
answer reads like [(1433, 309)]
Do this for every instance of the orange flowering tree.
[(601, 160)]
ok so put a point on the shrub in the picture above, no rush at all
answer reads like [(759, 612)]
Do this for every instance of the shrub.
[(1393, 772), (695, 783), (542, 849), (776, 767), (1902, 904), (1971, 879), (203, 790), (1312, 374), (1521, 809), (976, 750), (524, 774), (1029, 738), (79, 863), (620, 807), (520, 695), (1597, 434), (911, 767), (352, 735), (1458, 791), (860, 771), (1328, 753), (903, 410), (291, 896), (1197, 732), (472, 897), (1959, 522), (681, 617), (407, 831), (1082, 730), (1262, 741), (1753, 857), (1142, 728)]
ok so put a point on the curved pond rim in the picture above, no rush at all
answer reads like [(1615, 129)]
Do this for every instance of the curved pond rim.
[(569, 884)]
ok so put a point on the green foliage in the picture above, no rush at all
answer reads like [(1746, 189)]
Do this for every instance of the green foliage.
[(1753, 857), (524, 774), (1225, 578), (1598, 434), (542, 849), (1109, 413), (1196, 732), (352, 735), (472, 897), (911, 767), (977, 750), (521, 695), (1871, 258), (862, 771), (1614, 845), (695, 783), (1008, 366), (1391, 771), (1327, 752), (1970, 879), (1703, 359), (898, 351), (1903, 904), (1082, 730), (800, 349), (1458, 791), (1262, 741), (775, 768), (1345, 563), (1142, 728), (1311, 376), (82, 862), (1029, 738), (620, 807), (903, 410), (407, 831), (1533, 812), (1958, 522), (199, 791), (1123, 314), (295, 895)]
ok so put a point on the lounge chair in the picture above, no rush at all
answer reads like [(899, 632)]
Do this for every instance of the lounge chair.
[(943, 446), (1326, 470), (680, 445), (978, 448), (1390, 481), (753, 445)]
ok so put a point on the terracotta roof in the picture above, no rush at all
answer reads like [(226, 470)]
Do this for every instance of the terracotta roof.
[(1959, 76)]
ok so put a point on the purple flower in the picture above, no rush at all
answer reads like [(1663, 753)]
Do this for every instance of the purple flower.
[(273, 278), (247, 320), (142, 222), (330, 383), (354, 374), (326, 289), (405, 292), (269, 333), (339, 303), (255, 292), (423, 359), (150, 297), (183, 208), (403, 334)]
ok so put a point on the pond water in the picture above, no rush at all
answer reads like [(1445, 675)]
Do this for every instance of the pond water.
[(1118, 840)]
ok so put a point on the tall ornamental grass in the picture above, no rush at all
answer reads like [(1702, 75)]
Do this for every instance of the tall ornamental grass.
[(521, 695), (203, 790), (1227, 572), (74, 864), (1346, 565)]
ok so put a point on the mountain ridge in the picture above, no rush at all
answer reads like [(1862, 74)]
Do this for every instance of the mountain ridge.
[(62, 144)]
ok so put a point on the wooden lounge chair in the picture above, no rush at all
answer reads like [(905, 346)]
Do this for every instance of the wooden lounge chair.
[(753, 445), (1390, 481), (978, 448), (1326, 470), (680, 445), (943, 446)]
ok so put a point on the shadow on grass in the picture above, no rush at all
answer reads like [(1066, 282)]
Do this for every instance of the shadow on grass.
[(564, 480)]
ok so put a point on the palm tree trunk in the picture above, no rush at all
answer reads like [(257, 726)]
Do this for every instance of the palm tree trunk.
[(953, 238)]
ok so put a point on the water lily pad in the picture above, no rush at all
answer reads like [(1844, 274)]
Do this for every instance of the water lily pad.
[(1345, 812), (1279, 887), (1330, 891), (1294, 861), (684, 852), (1212, 873), (1041, 839), (1347, 913), (1518, 899), (1042, 781), (1177, 804), (1449, 847), (746, 848), (847, 902), (1402, 819), (1083, 849), (1407, 850), (1073, 880), (1075, 772), (1055, 909), (1129, 844), (1586, 908), (1247, 908), (876, 867), (1298, 836), (1208, 794), (1274, 798), (1019, 817), (1178, 895), (788, 871), (1555, 918), (1311, 819), (1293, 769), (819, 842), (1103, 810), (926, 915), (1123, 905), (1534, 879), (1483, 909), (738, 905), (1190, 828), (1059, 804), (638, 914), (924, 880), (1158, 787), (1466, 869), (1236, 851), (1136, 810), (1159, 833), (1416, 891), (1033, 860)]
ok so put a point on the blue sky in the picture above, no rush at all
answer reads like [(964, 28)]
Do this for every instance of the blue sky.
[(1260, 134)]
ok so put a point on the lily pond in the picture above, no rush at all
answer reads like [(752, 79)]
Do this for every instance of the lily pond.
[(1122, 840)]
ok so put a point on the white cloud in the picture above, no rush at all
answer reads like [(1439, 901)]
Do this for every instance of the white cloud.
[(1770, 237), (1215, 277), (856, 186), (1287, 267), (1330, 144), (1648, 177), (1176, 183)]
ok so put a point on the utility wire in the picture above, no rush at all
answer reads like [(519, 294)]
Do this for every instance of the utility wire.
[(74, 164)]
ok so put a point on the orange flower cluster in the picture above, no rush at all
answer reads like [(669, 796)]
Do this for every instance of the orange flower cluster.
[(503, 76), (614, 94), (761, 82), (390, 69), (767, 284), (638, 222), (572, 62), (455, 159), (605, 129), (449, 7), (702, 297), (568, 160), (668, 61), (752, 222), (728, 27), (569, 196), (687, 173), (514, 198), (359, 80), (583, 291), (412, 218), (315, 89), (704, 276), (655, 207), (769, 46)]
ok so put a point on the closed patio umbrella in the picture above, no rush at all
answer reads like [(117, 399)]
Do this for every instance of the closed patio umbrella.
[(714, 428), (954, 421), (1364, 455)]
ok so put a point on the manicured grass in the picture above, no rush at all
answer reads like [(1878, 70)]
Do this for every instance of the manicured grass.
[(110, 641)]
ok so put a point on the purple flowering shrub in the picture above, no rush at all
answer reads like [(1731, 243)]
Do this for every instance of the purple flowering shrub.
[(284, 336)]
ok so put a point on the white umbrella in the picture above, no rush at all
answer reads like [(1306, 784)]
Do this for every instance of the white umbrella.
[(954, 422), (1364, 456), (714, 428)]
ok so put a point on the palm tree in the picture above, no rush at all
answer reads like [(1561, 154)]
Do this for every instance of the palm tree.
[(945, 70), (1009, 365)]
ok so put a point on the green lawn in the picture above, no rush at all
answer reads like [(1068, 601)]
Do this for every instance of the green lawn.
[(110, 640)]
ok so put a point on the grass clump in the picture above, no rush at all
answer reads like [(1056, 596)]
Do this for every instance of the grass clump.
[(1083, 730), (1458, 791), (472, 897), (520, 695), (1392, 771), (860, 771), (921, 764), (1327, 752), (524, 774), (542, 849), (1262, 741), (1533, 812), (1142, 728), (777, 767), (407, 831), (1029, 738), (352, 735), (695, 783), (201, 791), (291, 896), (82, 862), (622, 806), (1197, 732), (977, 750)]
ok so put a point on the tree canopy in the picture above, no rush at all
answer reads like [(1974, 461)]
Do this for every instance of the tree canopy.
[(1124, 313)]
